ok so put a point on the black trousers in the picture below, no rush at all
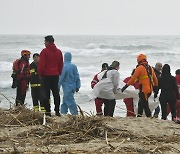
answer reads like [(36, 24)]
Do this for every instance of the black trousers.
[(109, 106), (172, 105), (36, 96), (50, 83), (143, 105)]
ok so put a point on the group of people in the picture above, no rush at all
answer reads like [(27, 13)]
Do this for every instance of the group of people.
[(48, 72), (145, 78)]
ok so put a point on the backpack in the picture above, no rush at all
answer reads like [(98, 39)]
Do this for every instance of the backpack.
[(15, 70)]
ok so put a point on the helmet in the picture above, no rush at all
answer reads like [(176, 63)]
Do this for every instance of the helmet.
[(141, 57), (25, 52)]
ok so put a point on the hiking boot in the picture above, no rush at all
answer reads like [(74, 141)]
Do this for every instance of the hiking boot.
[(58, 114), (155, 116)]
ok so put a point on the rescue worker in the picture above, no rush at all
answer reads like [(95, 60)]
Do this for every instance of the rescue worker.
[(129, 101), (49, 68), (23, 77), (35, 83), (144, 73), (157, 70), (169, 92), (70, 82), (107, 87), (98, 101)]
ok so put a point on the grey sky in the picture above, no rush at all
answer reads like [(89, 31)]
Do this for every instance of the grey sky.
[(93, 17)]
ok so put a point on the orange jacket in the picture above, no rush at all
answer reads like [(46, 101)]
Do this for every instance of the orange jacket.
[(141, 75)]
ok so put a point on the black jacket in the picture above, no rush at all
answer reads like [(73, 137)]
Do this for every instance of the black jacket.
[(169, 89), (35, 79)]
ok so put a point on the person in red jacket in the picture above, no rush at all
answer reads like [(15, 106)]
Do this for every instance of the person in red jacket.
[(98, 101), (129, 101), (49, 68), (178, 101), (23, 76)]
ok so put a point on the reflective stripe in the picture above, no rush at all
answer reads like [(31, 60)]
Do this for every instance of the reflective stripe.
[(95, 81), (32, 70), (35, 85), (142, 77), (43, 109), (36, 108)]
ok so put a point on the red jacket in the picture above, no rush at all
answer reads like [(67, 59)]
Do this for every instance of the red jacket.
[(94, 81), (51, 61), (24, 69)]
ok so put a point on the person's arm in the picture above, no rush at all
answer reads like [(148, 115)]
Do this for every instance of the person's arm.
[(78, 82), (61, 63), (116, 81), (42, 63)]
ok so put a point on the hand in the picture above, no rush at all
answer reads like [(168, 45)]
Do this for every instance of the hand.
[(77, 89), (124, 88)]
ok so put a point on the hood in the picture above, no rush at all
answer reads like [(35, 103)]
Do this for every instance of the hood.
[(166, 71), (67, 57), (52, 46)]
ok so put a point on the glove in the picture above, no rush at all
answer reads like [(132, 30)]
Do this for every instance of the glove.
[(155, 95), (155, 89), (123, 88), (77, 89)]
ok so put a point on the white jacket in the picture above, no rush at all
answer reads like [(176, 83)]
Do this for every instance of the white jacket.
[(107, 87)]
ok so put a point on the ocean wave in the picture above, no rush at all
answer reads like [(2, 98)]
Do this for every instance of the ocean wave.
[(134, 47)]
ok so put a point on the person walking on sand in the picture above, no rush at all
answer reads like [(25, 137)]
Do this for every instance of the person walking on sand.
[(70, 82), (107, 87), (144, 73), (157, 70), (35, 83), (129, 101), (98, 101), (169, 92), (49, 68)]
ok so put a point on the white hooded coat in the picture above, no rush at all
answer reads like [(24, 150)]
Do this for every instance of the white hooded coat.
[(106, 88)]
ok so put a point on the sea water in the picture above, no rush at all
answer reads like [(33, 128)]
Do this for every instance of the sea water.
[(88, 52)]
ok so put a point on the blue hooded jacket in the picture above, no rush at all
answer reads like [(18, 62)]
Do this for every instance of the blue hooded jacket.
[(69, 79)]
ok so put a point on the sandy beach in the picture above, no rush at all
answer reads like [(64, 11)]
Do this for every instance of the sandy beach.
[(21, 131)]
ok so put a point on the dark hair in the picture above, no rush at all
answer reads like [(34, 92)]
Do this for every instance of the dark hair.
[(104, 65), (35, 54), (177, 72), (49, 39), (166, 70)]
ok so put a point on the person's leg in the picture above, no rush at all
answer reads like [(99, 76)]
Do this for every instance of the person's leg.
[(164, 109), (168, 110), (172, 106), (156, 112), (46, 97), (55, 92), (106, 106), (64, 107), (35, 94), (18, 93), (140, 104), (98, 103), (23, 91), (72, 104), (111, 107), (129, 107)]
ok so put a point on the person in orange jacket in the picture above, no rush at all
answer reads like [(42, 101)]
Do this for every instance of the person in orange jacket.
[(148, 82)]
